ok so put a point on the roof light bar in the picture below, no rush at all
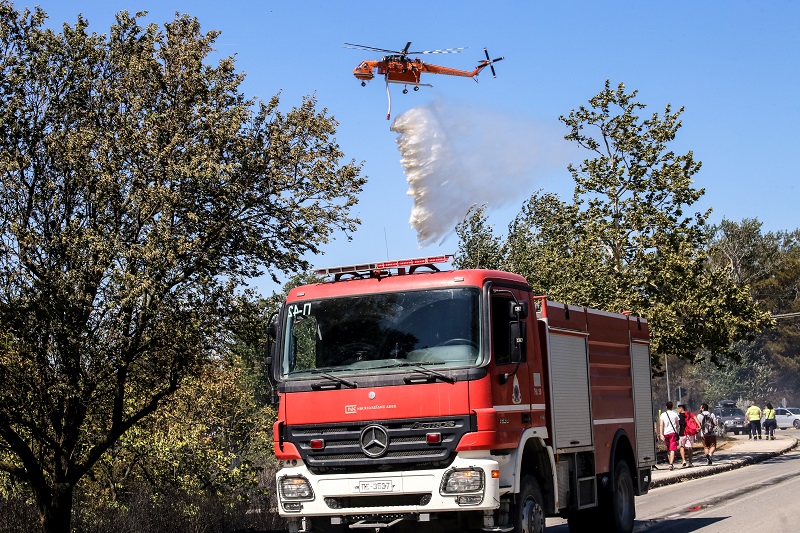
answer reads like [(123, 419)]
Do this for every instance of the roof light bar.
[(370, 267)]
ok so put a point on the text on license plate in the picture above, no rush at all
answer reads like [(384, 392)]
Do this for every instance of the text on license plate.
[(377, 485)]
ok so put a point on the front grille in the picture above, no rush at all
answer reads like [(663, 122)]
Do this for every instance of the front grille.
[(407, 448), (389, 500)]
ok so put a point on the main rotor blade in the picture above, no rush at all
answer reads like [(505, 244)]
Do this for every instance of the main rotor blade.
[(404, 52), (442, 51), (370, 48)]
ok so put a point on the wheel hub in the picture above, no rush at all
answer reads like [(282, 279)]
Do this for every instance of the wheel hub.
[(532, 517)]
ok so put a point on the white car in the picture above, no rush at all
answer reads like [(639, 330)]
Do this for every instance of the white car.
[(786, 417)]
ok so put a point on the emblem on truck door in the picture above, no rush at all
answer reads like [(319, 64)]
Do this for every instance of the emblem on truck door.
[(374, 440)]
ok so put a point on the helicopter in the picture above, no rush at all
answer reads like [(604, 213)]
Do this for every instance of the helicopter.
[(397, 67)]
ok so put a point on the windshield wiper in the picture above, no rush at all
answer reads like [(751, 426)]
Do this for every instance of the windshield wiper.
[(418, 367), (325, 374)]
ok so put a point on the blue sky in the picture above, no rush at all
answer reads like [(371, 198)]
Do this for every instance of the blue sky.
[(734, 66)]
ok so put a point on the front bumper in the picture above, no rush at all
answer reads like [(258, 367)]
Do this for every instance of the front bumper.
[(735, 425), (402, 493)]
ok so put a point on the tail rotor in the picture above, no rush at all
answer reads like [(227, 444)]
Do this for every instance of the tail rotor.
[(490, 62)]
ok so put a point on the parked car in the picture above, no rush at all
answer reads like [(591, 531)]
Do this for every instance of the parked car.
[(786, 417), (730, 418)]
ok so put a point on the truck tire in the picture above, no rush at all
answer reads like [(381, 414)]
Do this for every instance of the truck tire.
[(622, 510), (615, 511), (529, 512)]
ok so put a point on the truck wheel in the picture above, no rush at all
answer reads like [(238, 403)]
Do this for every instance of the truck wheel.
[(529, 514), (622, 510)]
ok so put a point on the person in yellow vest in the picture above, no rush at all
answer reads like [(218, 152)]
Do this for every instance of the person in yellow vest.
[(753, 416), (770, 424)]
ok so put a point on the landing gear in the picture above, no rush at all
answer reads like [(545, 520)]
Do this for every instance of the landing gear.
[(416, 87), (405, 90), (363, 84)]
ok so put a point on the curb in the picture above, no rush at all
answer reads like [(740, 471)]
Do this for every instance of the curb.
[(716, 468)]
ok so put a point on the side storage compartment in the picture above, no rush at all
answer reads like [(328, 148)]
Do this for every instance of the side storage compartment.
[(569, 390), (643, 404), (566, 362)]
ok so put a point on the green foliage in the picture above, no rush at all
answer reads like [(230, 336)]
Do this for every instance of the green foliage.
[(539, 244), (478, 246), (139, 188), (210, 439), (769, 264), (750, 379), (628, 240)]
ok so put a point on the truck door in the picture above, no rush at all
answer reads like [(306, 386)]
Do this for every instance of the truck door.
[(511, 387)]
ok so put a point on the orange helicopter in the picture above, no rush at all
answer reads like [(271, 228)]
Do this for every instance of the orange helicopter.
[(397, 67)]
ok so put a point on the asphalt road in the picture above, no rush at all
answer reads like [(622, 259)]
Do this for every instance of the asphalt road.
[(760, 497)]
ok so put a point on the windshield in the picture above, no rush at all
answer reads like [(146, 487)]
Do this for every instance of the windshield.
[(434, 329), (793, 410), (731, 411)]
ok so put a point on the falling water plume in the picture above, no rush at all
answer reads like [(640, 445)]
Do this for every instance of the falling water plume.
[(456, 157)]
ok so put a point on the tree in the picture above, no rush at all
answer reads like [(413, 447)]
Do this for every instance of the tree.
[(138, 189), (769, 265), (478, 246), (627, 242), (749, 255), (539, 244)]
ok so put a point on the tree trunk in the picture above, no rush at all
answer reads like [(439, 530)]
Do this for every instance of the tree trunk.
[(55, 512)]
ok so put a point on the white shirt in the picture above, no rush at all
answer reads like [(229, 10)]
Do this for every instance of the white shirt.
[(671, 422)]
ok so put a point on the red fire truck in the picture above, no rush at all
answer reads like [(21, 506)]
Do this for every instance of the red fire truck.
[(416, 397)]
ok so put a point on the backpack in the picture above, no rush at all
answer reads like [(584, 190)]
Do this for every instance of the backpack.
[(691, 424), (708, 424)]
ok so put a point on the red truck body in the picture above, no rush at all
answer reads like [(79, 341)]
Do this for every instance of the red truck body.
[(410, 395)]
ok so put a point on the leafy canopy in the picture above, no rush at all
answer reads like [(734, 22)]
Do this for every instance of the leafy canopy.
[(628, 240), (139, 188)]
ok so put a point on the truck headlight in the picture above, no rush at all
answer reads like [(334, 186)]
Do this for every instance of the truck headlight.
[(295, 488), (462, 480)]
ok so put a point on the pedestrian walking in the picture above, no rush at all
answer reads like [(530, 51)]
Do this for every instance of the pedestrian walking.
[(708, 431), (770, 424), (687, 429), (753, 417), (668, 431)]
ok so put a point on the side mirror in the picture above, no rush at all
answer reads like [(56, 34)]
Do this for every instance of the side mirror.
[(516, 338), (272, 325), (272, 333), (517, 310)]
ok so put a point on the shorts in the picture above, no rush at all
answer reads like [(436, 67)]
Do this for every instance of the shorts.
[(687, 441), (671, 440), (709, 441)]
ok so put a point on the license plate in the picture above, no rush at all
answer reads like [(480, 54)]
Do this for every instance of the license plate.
[(378, 485)]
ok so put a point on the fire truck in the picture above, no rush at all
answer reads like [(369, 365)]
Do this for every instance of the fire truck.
[(416, 397)]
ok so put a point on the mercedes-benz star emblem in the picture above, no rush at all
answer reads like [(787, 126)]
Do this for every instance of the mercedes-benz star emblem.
[(374, 440)]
